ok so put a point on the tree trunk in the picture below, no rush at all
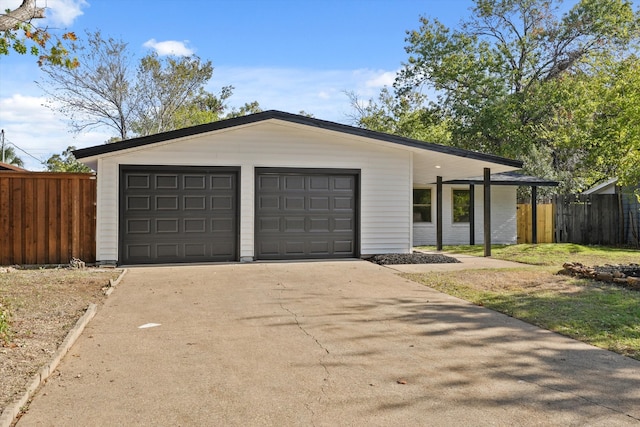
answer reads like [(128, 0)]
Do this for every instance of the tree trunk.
[(25, 13)]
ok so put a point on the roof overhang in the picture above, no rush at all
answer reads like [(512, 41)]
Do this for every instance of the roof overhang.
[(429, 160)]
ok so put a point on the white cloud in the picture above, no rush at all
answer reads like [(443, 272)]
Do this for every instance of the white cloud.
[(38, 130), (63, 12), (385, 78), (170, 47)]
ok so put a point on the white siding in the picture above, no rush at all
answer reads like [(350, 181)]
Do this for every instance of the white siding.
[(503, 218), (385, 185)]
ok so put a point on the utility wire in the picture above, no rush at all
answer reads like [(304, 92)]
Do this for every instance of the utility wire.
[(28, 154)]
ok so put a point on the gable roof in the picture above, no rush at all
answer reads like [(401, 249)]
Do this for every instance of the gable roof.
[(99, 150), (602, 186)]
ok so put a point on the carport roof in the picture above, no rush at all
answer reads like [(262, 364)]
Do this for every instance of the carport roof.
[(509, 178), (99, 150)]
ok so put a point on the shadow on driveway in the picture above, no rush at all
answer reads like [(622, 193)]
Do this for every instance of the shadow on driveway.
[(333, 343)]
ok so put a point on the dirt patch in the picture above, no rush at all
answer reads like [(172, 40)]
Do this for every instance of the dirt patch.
[(414, 258), (42, 306)]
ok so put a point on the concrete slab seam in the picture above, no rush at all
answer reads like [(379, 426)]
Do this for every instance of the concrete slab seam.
[(113, 284), (13, 410)]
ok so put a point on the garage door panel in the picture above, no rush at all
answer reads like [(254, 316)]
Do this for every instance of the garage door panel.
[(194, 182), (194, 202), (195, 225), (224, 182), (305, 215), (292, 203), (167, 225), (178, 215), (294, 183), (343, 184), (269, 183), (343, 246), (137, 181), (165, 182), (167, 203)]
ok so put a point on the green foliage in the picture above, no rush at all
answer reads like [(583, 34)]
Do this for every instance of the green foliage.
[(551, 254), (405, 115), (162, 94), (520, 80), (171, 90), (603, 315), (11, 157), (24, 38), (66, 162)]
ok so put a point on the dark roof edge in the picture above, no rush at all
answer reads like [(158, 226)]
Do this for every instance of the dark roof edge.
[(293, 118)]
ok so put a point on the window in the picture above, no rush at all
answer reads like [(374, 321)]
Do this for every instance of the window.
[(461, 206), (422, 205)]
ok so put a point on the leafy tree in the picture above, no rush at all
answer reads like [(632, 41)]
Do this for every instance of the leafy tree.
[(170, 86), (107, 89), (405, 115), (18, 34), (100, 91), (66, 162), (10, 156), (511, 79)]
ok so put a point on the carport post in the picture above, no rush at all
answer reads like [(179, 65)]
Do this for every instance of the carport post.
[(487, 212), (439, 213), (472, 214)]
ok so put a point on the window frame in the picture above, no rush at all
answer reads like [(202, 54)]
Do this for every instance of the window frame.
[(429, 205), (453, 206)]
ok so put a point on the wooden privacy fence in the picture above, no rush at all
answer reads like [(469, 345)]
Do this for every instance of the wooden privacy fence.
[(47, 218), (594, 219), (544, 223)]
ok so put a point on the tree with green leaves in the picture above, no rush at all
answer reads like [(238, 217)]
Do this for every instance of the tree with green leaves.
[(108, 90), (405, 115), (10, 156), (66, 162), (504, 79), (20, 35)]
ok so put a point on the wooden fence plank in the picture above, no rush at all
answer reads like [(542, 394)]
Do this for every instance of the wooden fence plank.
[(592, 219), (6, 237), (40, 217), (545, 223), (46, 217)]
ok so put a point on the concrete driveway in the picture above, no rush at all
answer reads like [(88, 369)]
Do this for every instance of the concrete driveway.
[(322, 343)]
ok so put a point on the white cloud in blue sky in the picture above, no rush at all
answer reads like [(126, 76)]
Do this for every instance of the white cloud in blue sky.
[(293, 59), (169, 47), (62, 13)]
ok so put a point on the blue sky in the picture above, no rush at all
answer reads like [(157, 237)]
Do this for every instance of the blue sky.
[(290, 55)]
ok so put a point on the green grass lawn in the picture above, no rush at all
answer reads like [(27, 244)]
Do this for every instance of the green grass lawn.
[(551, 254), (602, 314)]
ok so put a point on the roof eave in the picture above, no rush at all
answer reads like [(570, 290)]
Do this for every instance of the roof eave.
[(99, 150)]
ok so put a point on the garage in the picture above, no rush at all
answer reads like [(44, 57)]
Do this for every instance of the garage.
[(282, 186), (306, 213), (178, 214)]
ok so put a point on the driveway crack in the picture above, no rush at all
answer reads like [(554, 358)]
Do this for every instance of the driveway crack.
[(327, 376)]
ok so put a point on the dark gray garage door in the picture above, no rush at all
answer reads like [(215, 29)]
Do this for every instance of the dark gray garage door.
[(178, 214), (306, 213)]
